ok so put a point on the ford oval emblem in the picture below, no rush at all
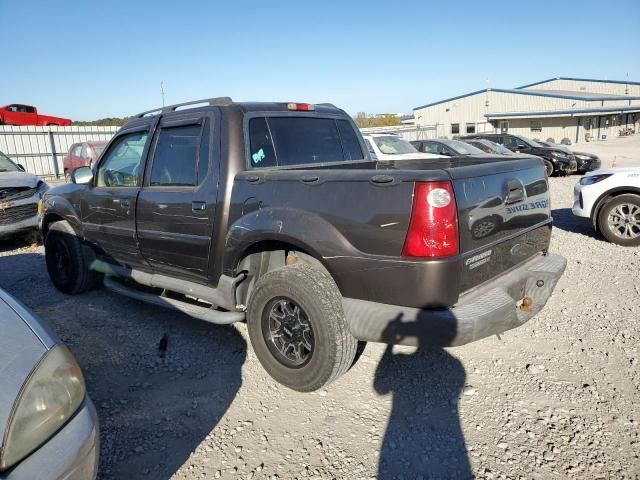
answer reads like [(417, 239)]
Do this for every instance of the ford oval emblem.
[(516, 250)]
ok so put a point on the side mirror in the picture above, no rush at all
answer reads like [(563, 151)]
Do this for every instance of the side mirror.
[(21, 168), (520, 147), (82, 176)]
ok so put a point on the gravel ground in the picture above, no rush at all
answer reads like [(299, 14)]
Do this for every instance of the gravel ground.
[(556, 398)]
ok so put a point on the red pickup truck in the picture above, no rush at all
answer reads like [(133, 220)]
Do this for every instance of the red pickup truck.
[(17, 114)]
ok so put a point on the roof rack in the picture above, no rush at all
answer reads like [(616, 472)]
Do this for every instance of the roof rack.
[(173, 108)]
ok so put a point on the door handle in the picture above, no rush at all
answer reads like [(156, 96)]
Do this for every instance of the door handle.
[(198, 206), (124, 203)]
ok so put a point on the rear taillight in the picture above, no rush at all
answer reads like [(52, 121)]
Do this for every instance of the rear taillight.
[(433, 229)]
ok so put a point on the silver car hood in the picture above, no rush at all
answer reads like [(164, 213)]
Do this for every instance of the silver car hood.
[(23, 342), (18, 179)]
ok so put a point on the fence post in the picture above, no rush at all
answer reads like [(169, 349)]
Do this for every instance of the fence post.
[(53, 154)]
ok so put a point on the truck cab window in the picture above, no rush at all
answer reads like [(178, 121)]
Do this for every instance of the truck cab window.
[(175, 157), (350, 144), (121, 166), (262, 153)]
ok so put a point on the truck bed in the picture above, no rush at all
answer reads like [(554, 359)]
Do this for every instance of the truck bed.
[(355, 217)]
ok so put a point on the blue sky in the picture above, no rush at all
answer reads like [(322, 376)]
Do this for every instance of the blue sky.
[(88, 60)]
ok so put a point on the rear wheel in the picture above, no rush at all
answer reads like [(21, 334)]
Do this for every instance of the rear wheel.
[(619, 220), (298, 329), (68, 260)]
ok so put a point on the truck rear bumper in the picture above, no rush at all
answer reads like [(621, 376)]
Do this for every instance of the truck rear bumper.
[(487, 310)]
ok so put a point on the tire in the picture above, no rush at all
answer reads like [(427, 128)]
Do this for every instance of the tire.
[(619, 220), (319, 324), (67, 176), (548, 166), (68, 260)]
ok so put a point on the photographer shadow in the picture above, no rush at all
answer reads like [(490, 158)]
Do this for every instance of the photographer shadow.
[(423, 438)]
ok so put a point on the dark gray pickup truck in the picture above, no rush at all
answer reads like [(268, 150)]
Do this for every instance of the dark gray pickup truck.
[(273, 214)]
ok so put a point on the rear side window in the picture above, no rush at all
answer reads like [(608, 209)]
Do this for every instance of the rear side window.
[(176, 156), (297, 140)]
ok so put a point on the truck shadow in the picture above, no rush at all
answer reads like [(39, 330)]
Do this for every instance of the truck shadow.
[(564, 219), (160, 380), (424, 438), (160, 389)]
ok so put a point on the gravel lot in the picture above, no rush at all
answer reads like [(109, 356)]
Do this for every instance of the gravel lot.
[(556, 398)]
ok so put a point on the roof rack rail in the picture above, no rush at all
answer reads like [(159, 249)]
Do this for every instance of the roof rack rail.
[(173, 108)]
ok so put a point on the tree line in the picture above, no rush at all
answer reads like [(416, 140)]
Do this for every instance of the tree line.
[(364, 120), (103, 122)]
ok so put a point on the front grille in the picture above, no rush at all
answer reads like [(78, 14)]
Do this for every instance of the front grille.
[(16, 214), (16, 193)]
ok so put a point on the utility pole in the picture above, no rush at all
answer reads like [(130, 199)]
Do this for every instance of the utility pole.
[(162, 91)]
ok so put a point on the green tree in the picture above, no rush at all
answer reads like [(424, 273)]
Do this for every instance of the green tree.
[(103, 122)]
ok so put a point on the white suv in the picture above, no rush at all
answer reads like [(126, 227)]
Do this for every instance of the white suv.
[(611, 199)]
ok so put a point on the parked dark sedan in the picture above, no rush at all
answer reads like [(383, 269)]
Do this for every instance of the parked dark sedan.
[(556, 160), (586, 162)]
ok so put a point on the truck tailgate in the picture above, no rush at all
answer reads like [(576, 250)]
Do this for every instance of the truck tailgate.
[(504, 216)]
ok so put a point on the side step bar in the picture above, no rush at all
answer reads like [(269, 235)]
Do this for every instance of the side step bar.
[(201, 313)]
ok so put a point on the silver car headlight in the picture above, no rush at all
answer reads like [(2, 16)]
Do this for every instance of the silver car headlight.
[(559, 154), (52, 394), (582, 157)]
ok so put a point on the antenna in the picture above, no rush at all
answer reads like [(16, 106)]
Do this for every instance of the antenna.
[(626, 87), (162, 91), (486, 102)]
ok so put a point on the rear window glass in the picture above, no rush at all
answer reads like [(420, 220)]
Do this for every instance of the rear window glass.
[(350, 144), (297, 140), (262, 153)]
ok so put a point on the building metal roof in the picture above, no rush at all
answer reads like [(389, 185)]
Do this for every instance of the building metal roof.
[(621, 82), (564, 113), (586, 96)]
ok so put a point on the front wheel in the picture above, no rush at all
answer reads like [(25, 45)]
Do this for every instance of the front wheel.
[(297, 327), (548, 166), (68, 260), (619, 220)]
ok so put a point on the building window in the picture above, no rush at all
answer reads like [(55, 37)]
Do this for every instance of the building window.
[(536, 125), (471, 128), (455, 129)]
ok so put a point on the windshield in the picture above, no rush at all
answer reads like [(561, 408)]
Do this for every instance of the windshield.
[(392, 145), (528, 141), (462, 148), (497, 148), (7, 165), (99, 149)]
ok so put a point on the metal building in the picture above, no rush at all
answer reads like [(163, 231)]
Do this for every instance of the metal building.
[(580, 110)]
